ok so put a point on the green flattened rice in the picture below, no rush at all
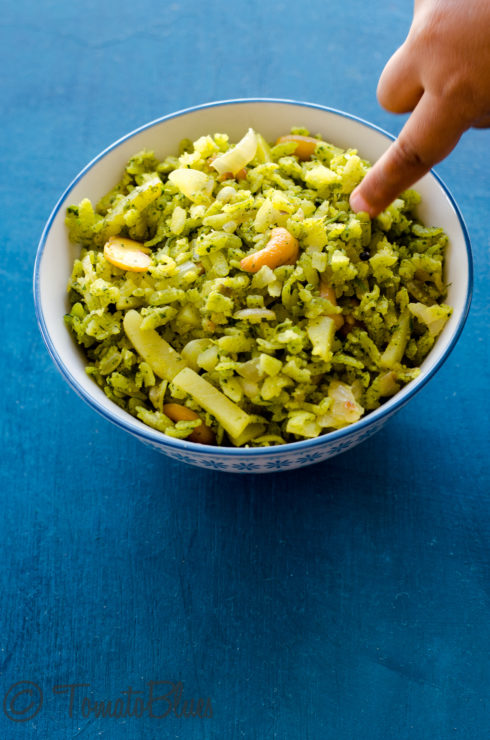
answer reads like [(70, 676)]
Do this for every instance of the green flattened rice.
[(167, 312)]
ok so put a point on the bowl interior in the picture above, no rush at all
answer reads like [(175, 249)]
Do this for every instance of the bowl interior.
[(271, 118)]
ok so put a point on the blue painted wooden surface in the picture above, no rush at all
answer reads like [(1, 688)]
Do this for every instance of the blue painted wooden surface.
[(348, 600)]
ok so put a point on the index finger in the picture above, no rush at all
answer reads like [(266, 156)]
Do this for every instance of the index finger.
[(429, 135)]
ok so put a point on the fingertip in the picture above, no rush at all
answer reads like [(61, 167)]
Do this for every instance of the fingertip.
[(359, 203)]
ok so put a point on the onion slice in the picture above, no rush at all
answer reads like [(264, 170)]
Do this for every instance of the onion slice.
[(254, 314), (240, 155), (192, 183)]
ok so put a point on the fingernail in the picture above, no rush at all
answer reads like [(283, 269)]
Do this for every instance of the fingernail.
[(358, 202)]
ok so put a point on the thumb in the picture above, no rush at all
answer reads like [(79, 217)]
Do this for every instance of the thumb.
[(431, 132)]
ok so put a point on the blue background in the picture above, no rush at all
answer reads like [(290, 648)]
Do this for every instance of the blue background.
[(347, 600)]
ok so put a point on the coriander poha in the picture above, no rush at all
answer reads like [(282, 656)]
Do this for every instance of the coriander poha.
[(229, 295)]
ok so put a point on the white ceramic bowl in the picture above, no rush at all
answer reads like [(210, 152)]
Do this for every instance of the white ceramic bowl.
[(271, 117)]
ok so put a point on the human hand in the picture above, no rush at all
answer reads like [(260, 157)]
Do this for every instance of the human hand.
[(441, 73)]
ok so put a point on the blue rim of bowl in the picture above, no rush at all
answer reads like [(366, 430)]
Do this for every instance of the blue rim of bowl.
[(136, 428)]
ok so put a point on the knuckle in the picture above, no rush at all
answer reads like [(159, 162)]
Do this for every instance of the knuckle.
[(405, 154)]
